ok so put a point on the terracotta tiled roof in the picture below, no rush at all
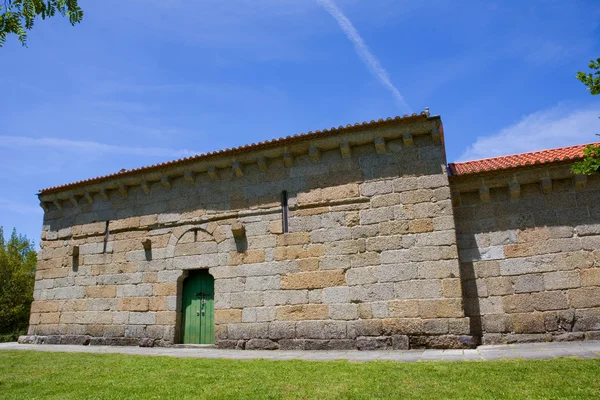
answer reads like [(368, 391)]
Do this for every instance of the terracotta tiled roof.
[(517, 160), (244, 149)]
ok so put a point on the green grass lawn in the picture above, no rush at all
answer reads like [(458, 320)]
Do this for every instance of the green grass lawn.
[(41, 375)]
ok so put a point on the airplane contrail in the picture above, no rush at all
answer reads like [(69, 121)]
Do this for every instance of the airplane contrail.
[(363, 51)]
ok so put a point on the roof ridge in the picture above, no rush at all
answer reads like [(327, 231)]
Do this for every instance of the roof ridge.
[(244, 148)]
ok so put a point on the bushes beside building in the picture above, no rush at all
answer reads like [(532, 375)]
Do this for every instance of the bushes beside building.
[(17, 276)]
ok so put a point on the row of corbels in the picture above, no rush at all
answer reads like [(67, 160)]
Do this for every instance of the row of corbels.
[(514, 188), (314, 154)]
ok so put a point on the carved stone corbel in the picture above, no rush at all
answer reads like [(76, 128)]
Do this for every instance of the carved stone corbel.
[(237, 168), (315, 154), (188, 176), (345, 150), (288, 159), (212, 172), (380, 146)]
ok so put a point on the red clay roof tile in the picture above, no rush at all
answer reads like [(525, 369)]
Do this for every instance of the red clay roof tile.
[(517, 160)]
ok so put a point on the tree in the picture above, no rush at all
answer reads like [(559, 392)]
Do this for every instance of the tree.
[(591, 155), (17, 276), (17, 16)]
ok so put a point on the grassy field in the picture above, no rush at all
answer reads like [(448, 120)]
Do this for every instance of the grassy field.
[(39, 375)]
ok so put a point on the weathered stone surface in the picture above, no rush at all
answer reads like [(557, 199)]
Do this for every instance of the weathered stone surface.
[(228, 316), (321, 329), (302, 312), (313, 280), (261, 344)]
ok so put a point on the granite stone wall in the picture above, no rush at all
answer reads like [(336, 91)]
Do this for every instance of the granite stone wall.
[(529, 250), (370, 260)]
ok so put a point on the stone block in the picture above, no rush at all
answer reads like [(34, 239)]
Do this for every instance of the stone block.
[(587, 320), (521, 266), (258, 314), (230, 316), (282, 330), (375, 216), (518, 303), (561, 280), (438, 269), (391, 228), (230, 285), (484, 269), (42, 306), (251, 256), (302, 312), (374, 188), (418, 289), (590, 277), (400, 342), (422, 226), (343, 311), (261, 344), (341, 192), (374, 343), (386, 200), (546, 301), (321, 329), (248, 331), (140, 290), (247, 299), (499, 286), (528, 283), (441, 308), (291, 239), (133, 304), (528, 323), (402, 326), (285, 297), (308, 264), (364, 259), (403, 308), (405, 183), (451, 288), (259, 283), (165, 289), (361, 276), (396, 272), (339, 294), (142, 318), (371, 327), (497, 323), (313, 280), (371, 293), (585, 297)]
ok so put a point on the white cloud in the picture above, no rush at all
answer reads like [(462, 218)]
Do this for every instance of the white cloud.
[(22, 142), (19, 208), (545, 129), (363, 51)]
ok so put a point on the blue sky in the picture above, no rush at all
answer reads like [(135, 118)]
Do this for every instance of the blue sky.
[(145, 81)]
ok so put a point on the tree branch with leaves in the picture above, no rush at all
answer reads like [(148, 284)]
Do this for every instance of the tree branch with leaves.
[(18, 16), (590, 164)]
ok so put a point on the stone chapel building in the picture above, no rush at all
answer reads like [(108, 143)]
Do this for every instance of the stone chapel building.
[(357, 237)]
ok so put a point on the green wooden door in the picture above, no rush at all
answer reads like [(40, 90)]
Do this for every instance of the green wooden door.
[(198, 308)]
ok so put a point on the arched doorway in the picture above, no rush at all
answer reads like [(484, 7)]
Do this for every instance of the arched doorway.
[(197, 309)]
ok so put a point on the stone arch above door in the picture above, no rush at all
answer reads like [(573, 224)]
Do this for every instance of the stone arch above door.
[(196, 245)]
